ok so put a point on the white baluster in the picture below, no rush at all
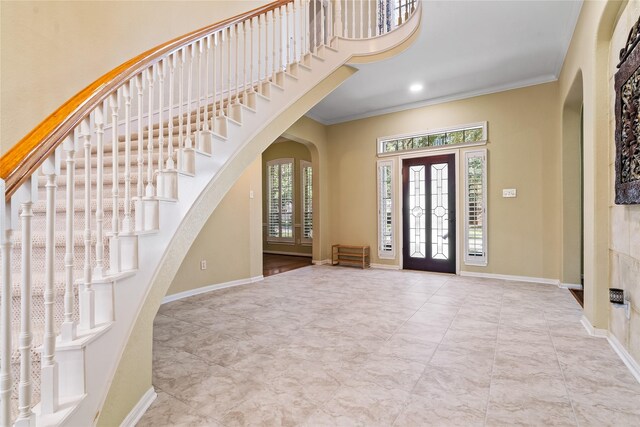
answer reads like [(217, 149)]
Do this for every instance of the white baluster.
[(48, 365), (237, 67), (221, 48), (114, 243), (315, 26), (307, 33), (205, 123), (245, 30), (181, 63), (87, 294), (198, 51), (251, 79), (229, 91), (275, 54), (330, 21), (5, 311), (140, 157), (170, 165), (280, 41), (406, 10), (337, 26), (162, 67), (214, 110), (322, 24), (287, 29), (369, 5), (353, 19), (68, 328), (127, 223), (260, 52), (26, 417), (149, 189), (188, 142), (98, 271), (229, 36)]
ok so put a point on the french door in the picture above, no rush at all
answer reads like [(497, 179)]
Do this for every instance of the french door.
[(429, 214)]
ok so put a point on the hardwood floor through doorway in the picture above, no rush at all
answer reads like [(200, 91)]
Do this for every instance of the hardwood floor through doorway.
[(275, 264)]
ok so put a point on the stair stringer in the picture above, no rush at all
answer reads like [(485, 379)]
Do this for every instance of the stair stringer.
[(118, 363)]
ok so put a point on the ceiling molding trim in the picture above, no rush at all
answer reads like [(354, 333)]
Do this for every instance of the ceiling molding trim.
[(457, 97)]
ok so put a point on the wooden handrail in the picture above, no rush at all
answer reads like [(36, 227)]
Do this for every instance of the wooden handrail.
[(24, 158)]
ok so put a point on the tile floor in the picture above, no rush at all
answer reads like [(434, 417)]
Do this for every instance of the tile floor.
[(338, 346)]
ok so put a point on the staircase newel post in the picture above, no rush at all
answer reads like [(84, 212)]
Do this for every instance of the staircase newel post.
[(127, 224), (49, 367), (26, 416), (5, 311), (68, 328), (87, 295)]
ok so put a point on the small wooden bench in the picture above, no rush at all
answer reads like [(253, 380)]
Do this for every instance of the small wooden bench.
[(350, 255)]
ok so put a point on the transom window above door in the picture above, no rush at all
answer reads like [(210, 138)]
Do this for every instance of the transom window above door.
[(471, 134)]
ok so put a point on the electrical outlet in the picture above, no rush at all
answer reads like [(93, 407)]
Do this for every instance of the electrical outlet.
[(251, 194), (203, 264), (508, 192)]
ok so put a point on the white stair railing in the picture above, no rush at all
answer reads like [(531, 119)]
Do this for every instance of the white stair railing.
[(126, 134)]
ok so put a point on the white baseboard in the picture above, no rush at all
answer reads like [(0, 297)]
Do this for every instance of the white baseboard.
[(321, 262), (141, 407), (209, 288), (385, 266), (527, 279), (594, 332), (570, 286), (616, 345), (287, 253)]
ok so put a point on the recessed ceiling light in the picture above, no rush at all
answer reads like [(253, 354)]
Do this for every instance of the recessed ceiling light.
[(416, 87)]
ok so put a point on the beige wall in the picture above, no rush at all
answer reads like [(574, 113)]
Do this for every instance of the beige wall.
[(587, 61), (228, 242), (298, 152), (523, 131), (50, 50), (624, 245)]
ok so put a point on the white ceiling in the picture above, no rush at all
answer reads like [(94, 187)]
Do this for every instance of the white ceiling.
[(465, 48)]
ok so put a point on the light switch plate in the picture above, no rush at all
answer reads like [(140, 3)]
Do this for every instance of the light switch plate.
[(508, 192)]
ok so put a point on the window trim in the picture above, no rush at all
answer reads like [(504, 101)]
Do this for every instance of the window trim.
[(272, 239), (382, 139), (468, 259), (305, 164), (386, 254)]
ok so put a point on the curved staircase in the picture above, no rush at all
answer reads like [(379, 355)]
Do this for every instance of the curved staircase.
[(102, 202)]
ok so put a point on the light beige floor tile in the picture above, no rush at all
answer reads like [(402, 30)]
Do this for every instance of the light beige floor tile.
[(166, 410), (452, 412), (361, 403), (335, 346)]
